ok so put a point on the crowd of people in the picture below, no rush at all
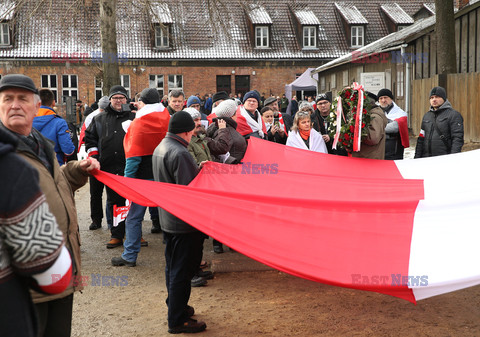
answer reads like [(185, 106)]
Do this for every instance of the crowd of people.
[(165, 139)]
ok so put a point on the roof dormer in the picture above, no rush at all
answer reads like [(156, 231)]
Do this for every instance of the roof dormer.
[(162, 26), (307, 26), (7, 11), (427, 10), (395, 17), (354, 24), (260, 26)]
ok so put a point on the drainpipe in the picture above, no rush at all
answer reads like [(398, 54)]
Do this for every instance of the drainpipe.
[(407, 83)]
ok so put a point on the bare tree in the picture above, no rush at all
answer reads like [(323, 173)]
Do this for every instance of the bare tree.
[(445, 36), (108, 33)]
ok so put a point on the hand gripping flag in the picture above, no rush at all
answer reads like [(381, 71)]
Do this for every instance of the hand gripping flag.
[(393, 227)]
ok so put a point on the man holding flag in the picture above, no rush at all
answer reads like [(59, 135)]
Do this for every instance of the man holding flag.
[(144, 134)]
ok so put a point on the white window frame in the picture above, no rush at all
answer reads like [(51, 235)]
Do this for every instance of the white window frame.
[(322, 84), (333, 81), (98, 89), (4, 34), (123, 82), (262, 38), (400, 80), (358, 36), (175, 82), (69, 90), (162, 38), (51, 84), (345, 78), (309, 37), (153, 83)]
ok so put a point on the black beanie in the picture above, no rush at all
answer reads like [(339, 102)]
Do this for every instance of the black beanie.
[(385, 92), (181, 122), (323, 97), (117, 90), (440, 92), (149, 96), (219, 95)]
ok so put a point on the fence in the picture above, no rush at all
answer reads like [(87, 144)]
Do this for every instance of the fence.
[(463, 92)]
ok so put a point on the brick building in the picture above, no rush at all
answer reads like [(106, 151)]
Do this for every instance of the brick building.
[(234, 46)]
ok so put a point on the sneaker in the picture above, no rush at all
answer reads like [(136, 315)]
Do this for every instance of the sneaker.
[(190, 326), (198, 281), (143, 243), (95, 225), (114, 243), (206, 274), (218, 249), (119, 261), (156, 226)]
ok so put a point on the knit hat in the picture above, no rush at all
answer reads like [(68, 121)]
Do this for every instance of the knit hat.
[(269, 100), (193, 112), (323, 97), (18, 81), (103, 102), (219, 95), (193, 100), (225, 109), (117, 90), (385, 92), (252, 94), (149, 96), (181, 122), (440, 92)]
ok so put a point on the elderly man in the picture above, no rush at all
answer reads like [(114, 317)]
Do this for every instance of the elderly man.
[(172, 163), (249, 120), (396, 131), (176, 101), (442, 128), (144, 134), (19, 103), (320, 117), (104, 140)]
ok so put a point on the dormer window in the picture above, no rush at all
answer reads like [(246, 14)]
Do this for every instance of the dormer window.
[(162, 34), (260, 24), (309, 36), (4, 34), (357, 36), (262, 39)]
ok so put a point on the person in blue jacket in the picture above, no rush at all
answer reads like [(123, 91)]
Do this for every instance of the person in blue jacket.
[(53, 126)]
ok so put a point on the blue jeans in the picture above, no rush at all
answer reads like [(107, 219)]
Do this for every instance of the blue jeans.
[(133, 232)]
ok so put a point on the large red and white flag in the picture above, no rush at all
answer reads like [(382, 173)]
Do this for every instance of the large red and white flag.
[(405, 228)]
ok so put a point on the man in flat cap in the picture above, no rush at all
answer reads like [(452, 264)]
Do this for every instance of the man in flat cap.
[(442, 128)]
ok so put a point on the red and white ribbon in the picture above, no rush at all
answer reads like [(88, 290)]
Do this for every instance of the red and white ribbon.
[(339, 122), (357, 136)]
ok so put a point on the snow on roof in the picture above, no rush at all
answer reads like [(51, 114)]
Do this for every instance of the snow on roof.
[(7, 9), (351, 14), (258, 15), (305, 15), (161, 13), (430, 7), (397, 14)]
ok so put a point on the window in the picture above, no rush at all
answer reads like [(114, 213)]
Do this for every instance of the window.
[(4, 34), (309, 37), (69, 86), (175, 82), (98, 88), (261, 37), (345, 78), (322, 84), (156, 81), (357, 36), (50, 82), (125, 82), (333, 81), (224, 83), (400, 80), (161, 36), (242, 84)]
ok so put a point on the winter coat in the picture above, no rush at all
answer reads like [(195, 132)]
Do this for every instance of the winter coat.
[(172, 163), (104, 139), (56, 129), (226, 140), (198, 148), (373, 147), (450, 123), (58, 189)]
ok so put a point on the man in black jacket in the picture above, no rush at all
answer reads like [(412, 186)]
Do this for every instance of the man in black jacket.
[(442, 128), (104, 140), (172, 163)]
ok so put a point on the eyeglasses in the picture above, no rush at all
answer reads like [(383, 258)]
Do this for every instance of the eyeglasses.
[(119, 98), (304, 113)]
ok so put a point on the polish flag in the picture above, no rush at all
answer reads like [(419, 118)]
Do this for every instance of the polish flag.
[(247, 125), (400, 228), (56, 278)]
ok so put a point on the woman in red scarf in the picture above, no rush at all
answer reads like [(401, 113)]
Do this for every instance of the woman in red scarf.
[(303, 136)]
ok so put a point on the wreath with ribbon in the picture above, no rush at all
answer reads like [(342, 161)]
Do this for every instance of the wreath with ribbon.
[(349, 118)]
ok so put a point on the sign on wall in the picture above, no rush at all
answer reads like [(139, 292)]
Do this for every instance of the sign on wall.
[(373, 82)]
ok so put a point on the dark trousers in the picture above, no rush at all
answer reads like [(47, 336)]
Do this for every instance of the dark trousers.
[(183, 254), (113, 198), (55, 317), (96, 202), (393, 148)]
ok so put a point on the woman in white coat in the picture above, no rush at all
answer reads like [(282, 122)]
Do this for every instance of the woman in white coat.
[(303, 136)]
